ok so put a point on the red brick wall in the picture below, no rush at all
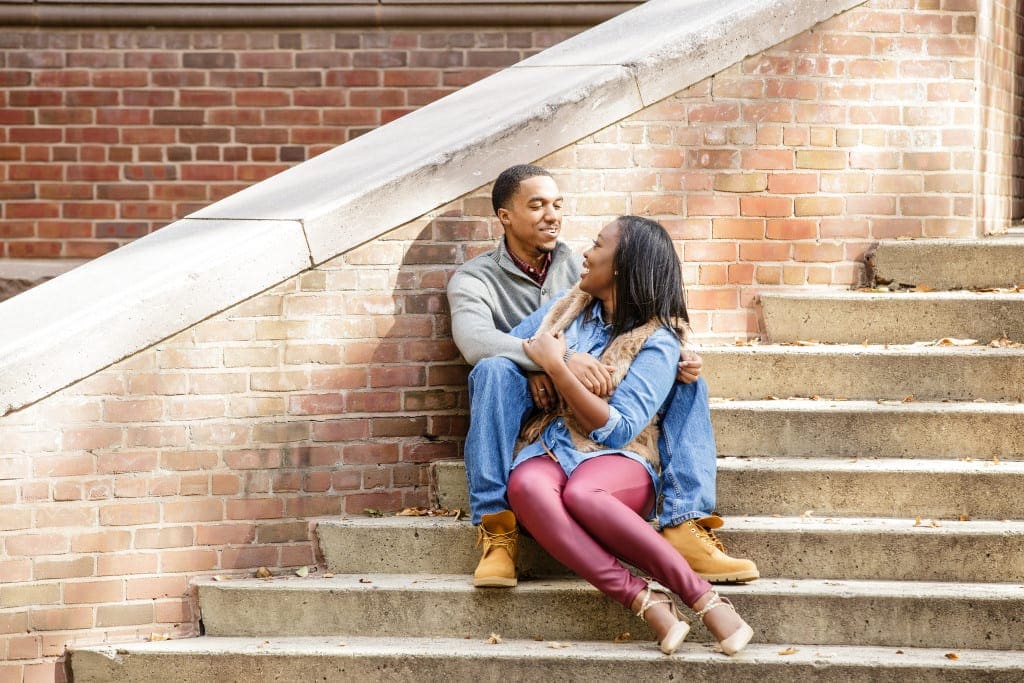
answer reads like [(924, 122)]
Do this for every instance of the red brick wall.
[(328, 394), (106, 135)]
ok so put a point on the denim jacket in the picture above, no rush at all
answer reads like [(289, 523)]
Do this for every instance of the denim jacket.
[(632, 406)]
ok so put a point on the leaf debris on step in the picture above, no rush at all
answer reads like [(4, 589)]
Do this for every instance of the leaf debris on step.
[(264, 573), (788, 651), (428, 512), (495, 639), (302, 572), (555, 645), (623, 637), (952, 655)]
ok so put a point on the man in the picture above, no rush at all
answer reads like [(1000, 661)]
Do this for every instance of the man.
[(488, 297)]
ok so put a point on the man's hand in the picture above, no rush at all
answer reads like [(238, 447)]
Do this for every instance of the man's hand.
[(595, 375), (542, 389), (689, 368)]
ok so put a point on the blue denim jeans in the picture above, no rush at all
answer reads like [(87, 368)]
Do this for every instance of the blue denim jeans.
[(499, 400)]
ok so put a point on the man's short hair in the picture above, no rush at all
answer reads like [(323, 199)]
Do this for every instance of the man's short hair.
[(508, 183)]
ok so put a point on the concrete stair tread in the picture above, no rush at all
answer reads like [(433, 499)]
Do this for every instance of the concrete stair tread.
[(514, 649), (950, 263), (802, 524), (958, 296), (859, 612), (852, 317), (872, 465), (866, 371), (807, 546), (462, 583), (885, 350), (838, 405)]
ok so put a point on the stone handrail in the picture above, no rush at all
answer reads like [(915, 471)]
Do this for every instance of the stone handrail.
[(78, 323)]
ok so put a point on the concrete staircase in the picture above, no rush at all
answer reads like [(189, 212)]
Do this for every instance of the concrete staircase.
[(878, 488)]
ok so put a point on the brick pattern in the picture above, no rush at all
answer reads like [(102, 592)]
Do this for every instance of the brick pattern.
[(328, 394), (106, 136), (1000, 28)]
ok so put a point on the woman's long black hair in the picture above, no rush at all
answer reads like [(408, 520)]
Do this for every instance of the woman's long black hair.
[(648, 280)]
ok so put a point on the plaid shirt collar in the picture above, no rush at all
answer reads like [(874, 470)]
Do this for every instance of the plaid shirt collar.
[(534, 274)]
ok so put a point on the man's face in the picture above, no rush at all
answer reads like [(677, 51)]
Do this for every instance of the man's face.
[(533, 217)]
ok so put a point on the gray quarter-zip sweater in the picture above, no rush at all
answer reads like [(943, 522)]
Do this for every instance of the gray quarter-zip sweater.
[(489, 295)]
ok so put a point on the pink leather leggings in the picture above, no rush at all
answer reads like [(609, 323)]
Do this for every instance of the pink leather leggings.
[(592, 519)]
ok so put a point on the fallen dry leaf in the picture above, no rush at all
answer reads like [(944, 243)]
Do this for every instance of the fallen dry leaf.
[(342, 643), (899, 652), (263, 573), (220, 577), (922, 288), (950, 341), (495, 639), (995, 459), (302, 572), (807, 513), (788, 651), (554, 645), (329, 575), (623, 637), (1005, 343), (952, 655), (908, 399), (365, 580), (372, 513), (157, 636), (965, 518), (917, 521)]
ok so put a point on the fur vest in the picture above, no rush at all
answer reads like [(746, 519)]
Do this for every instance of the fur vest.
[(619, 354)]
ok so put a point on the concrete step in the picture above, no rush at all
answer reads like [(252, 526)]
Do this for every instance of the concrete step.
[(951, 264), (844, 317), (933, 373), (244, 660), (891, 429), (824, 612), (871, 487), (930, 489), (792, 547)]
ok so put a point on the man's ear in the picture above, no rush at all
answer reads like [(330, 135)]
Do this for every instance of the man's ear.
[(504, 217)]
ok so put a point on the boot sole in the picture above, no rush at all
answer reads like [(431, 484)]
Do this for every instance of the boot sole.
[(495, 582), (731, 578)]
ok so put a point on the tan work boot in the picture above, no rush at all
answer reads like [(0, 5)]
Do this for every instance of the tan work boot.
[(697, 543), (498, 534)]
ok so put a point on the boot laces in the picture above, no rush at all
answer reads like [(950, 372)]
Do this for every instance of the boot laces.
[(708, 536), (496, 539)]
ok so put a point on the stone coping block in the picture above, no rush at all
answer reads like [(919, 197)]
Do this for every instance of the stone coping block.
[(666, 43), (375, 183), (105, 310)]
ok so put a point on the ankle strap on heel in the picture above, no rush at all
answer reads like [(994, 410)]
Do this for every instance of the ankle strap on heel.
[(648, 603), (715, 601)]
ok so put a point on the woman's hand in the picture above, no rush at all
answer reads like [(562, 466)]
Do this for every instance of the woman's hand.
[(544, 349), (595, 375)]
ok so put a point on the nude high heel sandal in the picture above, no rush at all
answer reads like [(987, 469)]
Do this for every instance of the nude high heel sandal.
[(677, 634), (739, 638)]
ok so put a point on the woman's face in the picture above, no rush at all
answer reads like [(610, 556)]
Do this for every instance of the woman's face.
[(598, 278)]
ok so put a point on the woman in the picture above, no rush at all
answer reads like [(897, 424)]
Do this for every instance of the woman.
[(585, 482)]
